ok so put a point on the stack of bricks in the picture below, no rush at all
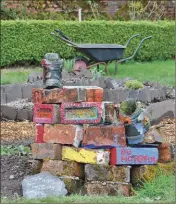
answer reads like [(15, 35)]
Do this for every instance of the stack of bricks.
[(80, 139)]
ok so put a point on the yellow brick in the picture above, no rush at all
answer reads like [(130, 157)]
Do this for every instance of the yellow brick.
[(88, 156)]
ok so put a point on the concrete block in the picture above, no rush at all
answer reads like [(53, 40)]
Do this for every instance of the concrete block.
[(46, 151), (133, 156), (46, 113), (68, 94), (133, 94), (155, 95), (144, 95), (82, 155), (13, 92), (100, 82), (112, 83), (39, 131), (22, 115), (81, 113), (158, 111), (63, 168), (105, 95), (3, 96), (74, 185), (147, 173), (123, 94), (94, 172), (27, 90), (63, 134), (105, 136), (30, 115), (164, 153), (107, 189), (8, 112)]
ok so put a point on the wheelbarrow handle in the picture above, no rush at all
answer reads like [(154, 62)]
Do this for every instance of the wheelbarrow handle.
[(129, 40), (128, 58), (64, 39), (61, 33)]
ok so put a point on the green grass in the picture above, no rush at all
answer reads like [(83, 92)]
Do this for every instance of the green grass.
[(160, 190), (158, 71)]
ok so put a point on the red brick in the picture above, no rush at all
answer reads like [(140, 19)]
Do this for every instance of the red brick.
[(107, 188), (64, 168), (63, 134), (67, 94), (39, 131), (46, 113), (81, 113), (164, 153), (106, 135), (46, 151)]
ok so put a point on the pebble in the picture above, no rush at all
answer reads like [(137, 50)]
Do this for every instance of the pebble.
[(11, 177)]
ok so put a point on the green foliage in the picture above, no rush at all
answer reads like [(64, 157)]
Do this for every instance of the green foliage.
[(96, 74), (17, 150), (128, 107), (29, 40), (134, 84)]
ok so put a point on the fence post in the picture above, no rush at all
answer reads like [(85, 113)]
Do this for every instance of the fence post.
[(79, 14)]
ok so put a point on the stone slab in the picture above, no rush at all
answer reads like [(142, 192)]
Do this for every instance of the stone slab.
[(22, 114), (13, 92), (8, 112)]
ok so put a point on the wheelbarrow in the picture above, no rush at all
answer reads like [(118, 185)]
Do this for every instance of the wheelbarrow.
[(99, 53)]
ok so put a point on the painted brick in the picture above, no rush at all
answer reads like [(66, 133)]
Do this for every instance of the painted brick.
[(164, 153), (147, 173), (63, 168), (104, 136), (46, 113), (94, 172), (67, 94), (81, 113), (74, 185), (110, 113), (39, 131), (63, 134), (46, 150), (133, 156), (107, 188), (82, 155)]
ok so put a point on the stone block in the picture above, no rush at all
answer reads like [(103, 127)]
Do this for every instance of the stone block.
[(46, 151), (153, 137), (8, 112), (74, 185), (22, 115), (13, 92), (100, 82), (82, 155), (107, 189), (133, 94), (46, 113), (27, 90), (30, 115), (105, 95), (155, 94), (144, 95), (68, 94), (147, 173), (39, 131), (104, 136), (133, 156), (123, 94), (63, 168), (94, 172), (3, 96), (63, 134), (81, 113), (112, 83), (164, 153)]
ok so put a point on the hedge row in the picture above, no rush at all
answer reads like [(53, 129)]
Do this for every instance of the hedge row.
[(30, 40)]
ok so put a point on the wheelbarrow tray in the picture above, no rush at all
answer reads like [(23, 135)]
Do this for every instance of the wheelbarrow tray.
[(101, 52)]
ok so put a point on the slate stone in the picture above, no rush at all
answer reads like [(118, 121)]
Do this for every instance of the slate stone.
[(13, 92), (22, 115), (144, 95)]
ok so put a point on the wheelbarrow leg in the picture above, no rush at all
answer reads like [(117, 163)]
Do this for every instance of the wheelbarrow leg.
[(106, 70), (116, 68), (98, 67)]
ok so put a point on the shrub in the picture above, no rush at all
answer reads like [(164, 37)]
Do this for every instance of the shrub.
[(29, 40), (134, 84)]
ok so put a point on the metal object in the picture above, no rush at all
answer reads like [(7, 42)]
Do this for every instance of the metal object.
[(52, 70), (101, 53)]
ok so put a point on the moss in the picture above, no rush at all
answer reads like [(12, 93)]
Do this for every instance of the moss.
[(134, 84)]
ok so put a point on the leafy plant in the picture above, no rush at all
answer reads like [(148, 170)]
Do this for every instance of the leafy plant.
[(128, 107), (30, 40), (96, 74), (17, 150), (134, 84)]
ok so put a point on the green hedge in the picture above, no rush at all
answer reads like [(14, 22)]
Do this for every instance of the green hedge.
[(30, 40)]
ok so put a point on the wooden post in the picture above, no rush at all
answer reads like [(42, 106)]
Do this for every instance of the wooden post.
[(79, 14)]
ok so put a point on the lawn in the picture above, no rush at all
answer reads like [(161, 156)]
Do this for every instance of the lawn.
[(158, 71), (161, 190)]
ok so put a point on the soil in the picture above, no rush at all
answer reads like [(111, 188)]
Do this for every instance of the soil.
[(13, 170)]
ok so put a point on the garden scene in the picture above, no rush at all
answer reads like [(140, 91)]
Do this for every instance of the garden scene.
[(87, 101)]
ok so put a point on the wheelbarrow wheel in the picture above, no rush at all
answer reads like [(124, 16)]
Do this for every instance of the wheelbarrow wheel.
[(80, 63)]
